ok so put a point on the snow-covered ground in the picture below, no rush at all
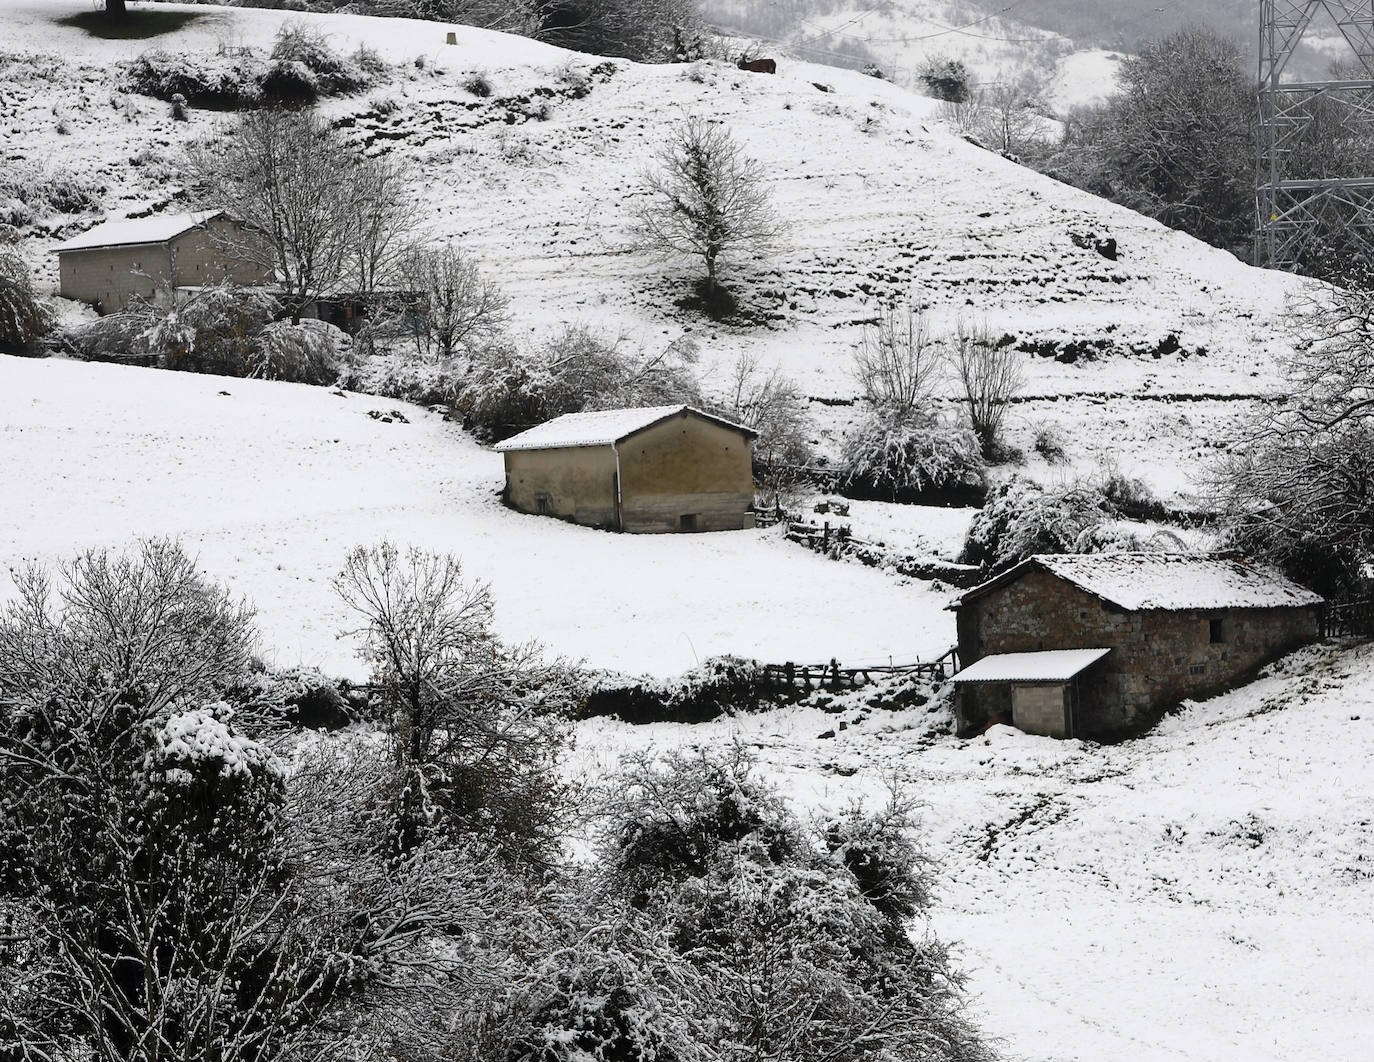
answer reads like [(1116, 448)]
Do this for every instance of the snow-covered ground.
[(1198, 895), (1083, 78), (882, 203), (1202, 893), (271, 485)]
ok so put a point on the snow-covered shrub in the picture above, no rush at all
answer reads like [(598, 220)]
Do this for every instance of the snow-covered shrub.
[(890, 868), (910, 457), (295, 697), (717, 685), (509, 389), (478, 84), (289, 83), (590, 1004), (23, 316), (215, 330), (209, 794), (405, 376), (666, 819), (223, 82), (1129, 495), (120, 336), (43, 190), (767, 914), (307, 352), (329, 72), (946, 78), (1021, 519), (1050, 443)]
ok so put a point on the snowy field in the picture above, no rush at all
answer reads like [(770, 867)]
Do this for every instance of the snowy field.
[(271, 485), (1199, 895)]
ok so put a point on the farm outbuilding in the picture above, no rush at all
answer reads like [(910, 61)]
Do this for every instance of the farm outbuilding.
[(110, 264), (1095, 646), (655, 469)]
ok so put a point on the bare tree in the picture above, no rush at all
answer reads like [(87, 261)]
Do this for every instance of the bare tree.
[(897, 364), (706, 199), (384, 226), (460, 306), (478, 723), (771, 403), (989, 376), (1297, 486), (313, 210)]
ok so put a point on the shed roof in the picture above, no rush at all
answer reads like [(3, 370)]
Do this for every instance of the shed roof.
[(124, 232), (604, 427), (1052, 665), (1175, 582)]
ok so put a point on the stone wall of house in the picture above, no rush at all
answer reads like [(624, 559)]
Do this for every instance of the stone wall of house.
[(1158, 657), (687, 467), (574, 482)]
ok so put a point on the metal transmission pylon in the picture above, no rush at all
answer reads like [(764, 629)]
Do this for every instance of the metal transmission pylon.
[(1301, 191)]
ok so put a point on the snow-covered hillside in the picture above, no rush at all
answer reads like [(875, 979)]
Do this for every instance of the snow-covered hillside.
[(901, 36), (882, 202), (1198, 895), (271, 485)]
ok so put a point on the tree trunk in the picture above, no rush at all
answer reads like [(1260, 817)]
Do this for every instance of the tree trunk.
[(115, 9)]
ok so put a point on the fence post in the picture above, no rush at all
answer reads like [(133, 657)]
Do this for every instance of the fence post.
[(834, 664), (790, 672)]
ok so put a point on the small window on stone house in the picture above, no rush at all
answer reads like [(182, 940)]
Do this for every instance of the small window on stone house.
[(542, 502), (1216, 630), (687, 522)]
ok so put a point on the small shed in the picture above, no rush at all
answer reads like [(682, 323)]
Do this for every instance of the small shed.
[(110, 264), (1164, 627), (653, 469)]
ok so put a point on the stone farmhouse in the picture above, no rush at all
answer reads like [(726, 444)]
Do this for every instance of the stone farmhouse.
[(1096, 646), (109, 265), (656, 469)]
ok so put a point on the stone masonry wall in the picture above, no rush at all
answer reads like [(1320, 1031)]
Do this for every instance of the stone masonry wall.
[(1158, 658)]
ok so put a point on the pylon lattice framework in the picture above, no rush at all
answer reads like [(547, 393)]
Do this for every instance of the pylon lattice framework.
[(1294, 207)]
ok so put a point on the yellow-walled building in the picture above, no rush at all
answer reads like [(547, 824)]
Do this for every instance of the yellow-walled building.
[(110, 264), (656, 469)]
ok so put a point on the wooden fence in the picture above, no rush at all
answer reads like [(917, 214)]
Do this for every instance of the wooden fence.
[(833, 676), (1348, 618)]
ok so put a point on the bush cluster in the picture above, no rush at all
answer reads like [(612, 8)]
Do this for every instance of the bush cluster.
[(29, 192), (1022, 518), (912, 458), (301, 68), (24, 317), (716, 686), (221, 329)]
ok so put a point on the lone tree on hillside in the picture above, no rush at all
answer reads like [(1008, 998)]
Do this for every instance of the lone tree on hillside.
[(989, 376), (706, 199), (315, 211)]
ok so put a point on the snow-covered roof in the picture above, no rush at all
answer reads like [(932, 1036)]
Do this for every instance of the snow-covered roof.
[(133, 231), (603, 427), (1052, 665), (1167, 581)]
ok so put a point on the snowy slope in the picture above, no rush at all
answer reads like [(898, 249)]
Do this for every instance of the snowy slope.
[(900, 36), (882, 203), (1199, 895), (272, 484)]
